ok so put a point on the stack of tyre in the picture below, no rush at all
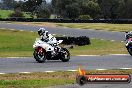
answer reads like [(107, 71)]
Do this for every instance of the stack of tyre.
[(80, 41)]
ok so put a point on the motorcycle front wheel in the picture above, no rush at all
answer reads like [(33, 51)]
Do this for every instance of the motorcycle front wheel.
[(39, 57), (130, 51), (65, 55)]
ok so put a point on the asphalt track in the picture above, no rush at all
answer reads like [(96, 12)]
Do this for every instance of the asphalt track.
[(99, 34), (96, 86), (26, 65), (13, 65)]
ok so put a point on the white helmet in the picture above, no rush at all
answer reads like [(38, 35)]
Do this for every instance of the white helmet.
[(41, 31)]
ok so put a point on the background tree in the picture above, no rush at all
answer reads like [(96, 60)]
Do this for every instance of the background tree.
[(127, 9), (17, 11), (43, 10), (9, 4), (60, 7), (109, 8), (90, 7), (30, 6), (72, 10)]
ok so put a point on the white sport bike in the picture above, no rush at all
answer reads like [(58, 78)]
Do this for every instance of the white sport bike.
[(44, 51)]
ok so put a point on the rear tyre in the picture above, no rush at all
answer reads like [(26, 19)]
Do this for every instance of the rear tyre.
[(39, 57), (65, 57)]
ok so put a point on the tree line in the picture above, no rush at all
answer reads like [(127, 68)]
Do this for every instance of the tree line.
[(74, 9)]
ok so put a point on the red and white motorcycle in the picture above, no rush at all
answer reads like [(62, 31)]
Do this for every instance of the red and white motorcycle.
[(44, 51)]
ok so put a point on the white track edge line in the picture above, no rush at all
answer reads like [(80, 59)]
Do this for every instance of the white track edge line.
[(119, 54), (88, 55), (25, 72), (101, 69), (125, 68), (70, 71), (50, 71)]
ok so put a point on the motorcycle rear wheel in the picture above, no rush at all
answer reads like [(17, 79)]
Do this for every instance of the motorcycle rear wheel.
[(39, 58)]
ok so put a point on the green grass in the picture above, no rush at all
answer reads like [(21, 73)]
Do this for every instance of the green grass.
[(98, 26), (33, 83), (16, 43), (19, 43), (42, 79), (100, 47), (36, 80), (6, 13)]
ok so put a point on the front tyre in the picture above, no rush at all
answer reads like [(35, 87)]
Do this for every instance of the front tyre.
[(39, 57), (65, 57), (130, 51)]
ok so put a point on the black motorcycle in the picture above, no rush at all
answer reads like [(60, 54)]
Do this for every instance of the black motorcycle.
[(129, 45)]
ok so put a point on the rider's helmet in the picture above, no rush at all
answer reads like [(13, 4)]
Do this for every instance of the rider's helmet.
[(41, 31), (128, 35), (130, 32)]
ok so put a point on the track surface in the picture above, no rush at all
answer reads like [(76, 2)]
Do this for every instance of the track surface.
[(13, 65), (96, 86), (118, 36), (8, 65)]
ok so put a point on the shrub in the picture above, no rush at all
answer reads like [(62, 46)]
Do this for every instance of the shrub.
[(43, 13), (84, 17), (16, 14)]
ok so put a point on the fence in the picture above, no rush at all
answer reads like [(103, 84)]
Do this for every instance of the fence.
[(117, 21)]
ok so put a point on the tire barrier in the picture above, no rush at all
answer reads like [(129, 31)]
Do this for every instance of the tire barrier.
[(80, 41), (114, 21)]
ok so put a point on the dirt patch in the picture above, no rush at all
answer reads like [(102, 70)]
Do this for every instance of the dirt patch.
[(39, 75)]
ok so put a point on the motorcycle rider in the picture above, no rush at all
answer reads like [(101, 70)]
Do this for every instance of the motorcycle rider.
[(41, 32), (48, 38), (128, 35)]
